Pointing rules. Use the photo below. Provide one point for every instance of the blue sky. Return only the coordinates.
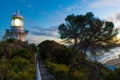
(42, 17)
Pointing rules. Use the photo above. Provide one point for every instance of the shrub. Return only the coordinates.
(24, 54)
(60, 71)
(19, 64)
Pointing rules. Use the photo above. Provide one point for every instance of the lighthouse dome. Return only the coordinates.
(17, 15)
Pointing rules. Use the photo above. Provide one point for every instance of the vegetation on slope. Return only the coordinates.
(57, 61)
(17, 60)
(115, 75)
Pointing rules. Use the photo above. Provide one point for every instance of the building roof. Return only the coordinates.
(17, 15)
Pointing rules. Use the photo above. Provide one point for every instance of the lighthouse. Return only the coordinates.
(17, 28)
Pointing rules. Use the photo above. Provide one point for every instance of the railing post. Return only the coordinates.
(38, 72)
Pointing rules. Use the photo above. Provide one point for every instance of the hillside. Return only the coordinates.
(17, 60)
(57, 59)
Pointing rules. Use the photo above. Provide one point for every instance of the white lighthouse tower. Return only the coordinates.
(17, 28)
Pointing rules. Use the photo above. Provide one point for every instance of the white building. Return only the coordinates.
(17, 28)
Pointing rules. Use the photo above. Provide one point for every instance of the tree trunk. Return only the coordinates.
(75, 41)
(73, 57)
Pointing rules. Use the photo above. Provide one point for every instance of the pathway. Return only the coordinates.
(43, 72)
(38, 72)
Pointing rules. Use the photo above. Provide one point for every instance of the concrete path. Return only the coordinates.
(43, 72)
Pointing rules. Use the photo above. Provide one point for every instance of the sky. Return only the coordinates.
(42, 17)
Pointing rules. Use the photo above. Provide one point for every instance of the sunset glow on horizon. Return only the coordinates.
(42, 17)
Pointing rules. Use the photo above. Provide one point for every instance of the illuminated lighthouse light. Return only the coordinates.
(17, 22)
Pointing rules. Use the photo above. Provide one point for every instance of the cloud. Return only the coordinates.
(40, 31)
(29, 6)
(38, 34)
(115, 18)
(43, 12)
(110, 18)
(38, 39)
(71, 8)
(104, 3)
(118, 16)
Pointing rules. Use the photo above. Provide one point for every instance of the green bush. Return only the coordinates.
(4, 69)
(115, 75)
(24, 54)
(55, 52)
(17, 60)
(60, 71)
(22, 69)
(11, 40)
(22, 75)
(80, 75)
(19, 64)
